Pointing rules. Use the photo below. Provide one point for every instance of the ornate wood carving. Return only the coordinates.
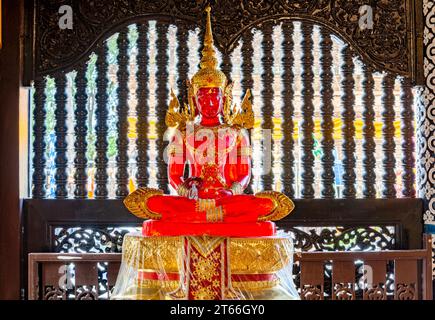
(376, 292)
(122, 109)
(287, 110)
(388, 45)
(408, 146)
(101, 128)
(343, 291)
(406, 291)
(388, 130)
(162, 95)
(247, 70)
(267, 95)
(86, 293)
(305, 238)
(80, 131)
(54, 293)
(327, 110)
(369, 145)
(364, 238)
(348, 115)
(312, 292)
(307, 112)
(61, 130)
(183, 61)
(142, 107)
(101, 240)
(38, 177)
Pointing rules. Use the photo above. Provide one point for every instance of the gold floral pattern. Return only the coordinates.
(247, 255)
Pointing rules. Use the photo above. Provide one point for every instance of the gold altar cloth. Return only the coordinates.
(162, 268)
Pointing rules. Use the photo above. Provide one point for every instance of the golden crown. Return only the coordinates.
(208, 75)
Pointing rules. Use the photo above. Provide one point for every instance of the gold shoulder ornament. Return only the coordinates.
(243, 116)
(177, 117)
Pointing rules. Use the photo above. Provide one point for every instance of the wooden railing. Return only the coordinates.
(412, 275)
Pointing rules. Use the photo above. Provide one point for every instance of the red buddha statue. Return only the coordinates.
(209, 138)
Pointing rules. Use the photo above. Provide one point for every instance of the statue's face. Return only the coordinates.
(209, 101)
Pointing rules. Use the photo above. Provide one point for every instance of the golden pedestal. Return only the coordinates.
(160, 268)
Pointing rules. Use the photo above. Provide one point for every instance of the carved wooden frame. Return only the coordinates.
(394, 44)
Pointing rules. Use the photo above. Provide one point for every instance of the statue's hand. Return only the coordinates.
(193, 181)
(189, 187)
(212, 193)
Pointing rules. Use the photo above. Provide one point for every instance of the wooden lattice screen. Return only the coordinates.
(340, 127)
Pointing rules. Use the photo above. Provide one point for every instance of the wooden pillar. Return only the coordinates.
(122, 109)
(10, 73)
(369, 145)
(142, 108)
(162, 77)
(247, 80)
(101, 127)
(388, 145)
(287, 110)
(80, 131)
(267, 93)
(327, 111)
(307, 125)
(348, 115)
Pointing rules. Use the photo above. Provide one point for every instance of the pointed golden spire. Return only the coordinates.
(208, 59)
(208, 76)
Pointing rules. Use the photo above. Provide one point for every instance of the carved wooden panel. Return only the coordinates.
(389, 45)
(305, 238)
(50, 282)
(375, 286)
(406, 280)
(312, 280)
(343, 278)
(92, 275)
